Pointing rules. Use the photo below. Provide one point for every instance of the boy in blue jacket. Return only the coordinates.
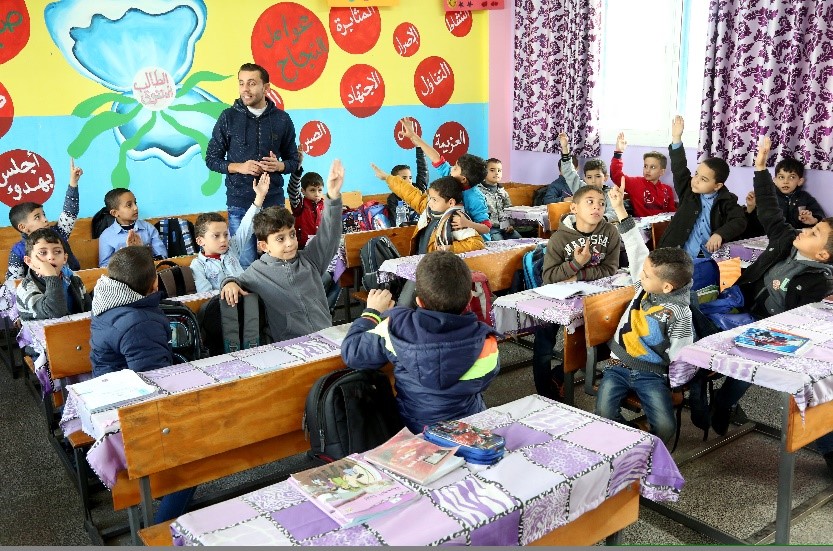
(443, 357)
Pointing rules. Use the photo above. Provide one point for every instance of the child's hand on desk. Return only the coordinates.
(231, 293)
(582, 255)
(381, 174)
(714, 243)
(750, 201)
(335, 179)
(75, 173)
(133, 239)
(380, 300)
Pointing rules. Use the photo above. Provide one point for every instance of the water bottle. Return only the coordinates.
(401, 214)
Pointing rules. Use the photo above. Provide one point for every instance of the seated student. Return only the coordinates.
(421, 183)
(708, 214)
(595, 174)
(219, 255)
(648, 195)
(653, 329)
(50, 289)
(443, 358)
(306, 200)
(469, 170)
(288, 280)
(129, 331)
(585, 247)
(801, 210)
(793, 271)
(28, 217)
(498, 201)
(127, 229)
(559, 189)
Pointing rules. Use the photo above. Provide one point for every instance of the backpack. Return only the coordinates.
(178, 236)
(101, 221)
(350, 411)
(351, 220)
(533, 266)
(373, 254)
(186, 341)
(374, 216)
(175, 280)
(481, 298)
(228, 329)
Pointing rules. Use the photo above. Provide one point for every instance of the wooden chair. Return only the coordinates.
(729, 272)
(657, 229)
(352, 199)
(555, 211)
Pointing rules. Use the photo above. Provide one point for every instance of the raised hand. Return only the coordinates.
(616, 196)
(75, 173)
(261, 188)
(300, 156)
(763, 153)
(677, 127)
(565, 143)
(335, 179)
(621, 142)
(381, 174)
(750, 201)
(408, 126)
(380, 300)
(582, 255)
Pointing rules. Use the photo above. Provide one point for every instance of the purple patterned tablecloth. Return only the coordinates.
(741, 249)
(526, 309)
(534, 214)
(561, 463)
(8, 301)
(809, 377)
(106, 456)
(405, 266)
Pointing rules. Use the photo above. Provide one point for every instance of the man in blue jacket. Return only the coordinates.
(443, 358)
(251, 137)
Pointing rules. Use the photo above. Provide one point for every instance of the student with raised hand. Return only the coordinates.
(127, 230)
(28, 217)
(595, 174)
(652, 331)
(288, 280)
(708, 214)
(219, 255)
(648, 195)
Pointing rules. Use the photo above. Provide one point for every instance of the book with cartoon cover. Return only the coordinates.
(773, 340)
(415, 458)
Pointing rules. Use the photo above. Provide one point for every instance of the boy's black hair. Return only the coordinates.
(19, 213)
(673, 265)
(448, 188)
(272, 220)
(112, 199)
(596, 164)
(397, 168)
(584, 190)
(473, 168)
(492, 160)
(264, 75)
(134, 267)
(720, 168)
(204, 219)
(663, 160)
(43, 234)
(310, 179)
(789, 164)
(443, 282)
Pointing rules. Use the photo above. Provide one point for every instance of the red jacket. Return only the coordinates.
(647, 198)
(307, 218)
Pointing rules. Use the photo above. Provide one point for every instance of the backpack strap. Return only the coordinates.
(230, 320)
(251, 320)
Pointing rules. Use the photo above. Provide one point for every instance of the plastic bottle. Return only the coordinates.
(401, 214)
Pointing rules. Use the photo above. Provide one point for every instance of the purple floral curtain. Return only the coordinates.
(769, 70)
(557, 59)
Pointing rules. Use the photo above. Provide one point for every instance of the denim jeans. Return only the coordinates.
(173, 505)
(651, 388)
(249, 252)
(498, 235)
(542, 369)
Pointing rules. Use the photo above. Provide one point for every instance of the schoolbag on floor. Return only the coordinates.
(175, 280)
(186, 342)
(374, 216)
(481, 298)
(228, 329)
(533, 266)
(373, 254)
(350, 411)
(178, 236)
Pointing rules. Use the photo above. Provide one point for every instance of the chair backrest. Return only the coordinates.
(729, 272)
(68, 348)
(657, 229)
(521, 194)
(353, 242)
(555, 211)
(499, 267)
(352, 199)
(602, 313)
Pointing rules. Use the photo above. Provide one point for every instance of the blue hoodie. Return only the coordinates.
(441, 362)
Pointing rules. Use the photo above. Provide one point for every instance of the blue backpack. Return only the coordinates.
(374, 216)
(533, 266)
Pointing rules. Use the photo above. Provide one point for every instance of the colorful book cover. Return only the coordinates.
(464, 434)
(415, 458)
(772, 340)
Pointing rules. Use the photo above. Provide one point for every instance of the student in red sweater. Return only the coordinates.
(648, 195)
(306, 197)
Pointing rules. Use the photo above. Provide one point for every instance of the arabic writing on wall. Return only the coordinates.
(291, 43)
(434, 81)
(458, 23)
(315, 138)
(451, 140)
(25, 176)
(406, 39)
(154, 88)
(6, 110)
(399, 133)
(362, 90)
(355, 30)
(14, 28)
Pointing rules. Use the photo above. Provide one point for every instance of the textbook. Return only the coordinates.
(350, 491)
(415, 458)
(773, 340)
(108, 392)
(568, 289)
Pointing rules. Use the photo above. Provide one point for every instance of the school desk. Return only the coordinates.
(805, 383)
(561, 463)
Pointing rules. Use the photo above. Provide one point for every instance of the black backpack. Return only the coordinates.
(175, 280)
(101, 221)
(178, 236)
(372, 254)
(350, 411)
(228, 329)
(186, 342)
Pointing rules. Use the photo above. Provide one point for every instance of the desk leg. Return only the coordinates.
(614, 539)
(590, 371)
(786, 468)
(133, 519)
(147, 500)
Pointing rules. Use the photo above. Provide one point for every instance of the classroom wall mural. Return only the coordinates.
(131, 90)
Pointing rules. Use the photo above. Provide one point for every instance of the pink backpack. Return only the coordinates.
(482, 298)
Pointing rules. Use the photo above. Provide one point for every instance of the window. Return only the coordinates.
(653, 58)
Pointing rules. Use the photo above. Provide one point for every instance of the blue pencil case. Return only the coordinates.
(477, 446)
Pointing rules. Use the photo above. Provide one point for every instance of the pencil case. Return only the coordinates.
(478, 446)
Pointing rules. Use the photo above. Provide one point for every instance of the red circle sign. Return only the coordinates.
(291, 43)
(362, 90)
(434, 81)
(276, 98)
(14, 28)
(25, 176)
(458, 23)
(6, 110)
(406, 39)
(451, 140)
(315, 138)
(399, 133)
(355, 30)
